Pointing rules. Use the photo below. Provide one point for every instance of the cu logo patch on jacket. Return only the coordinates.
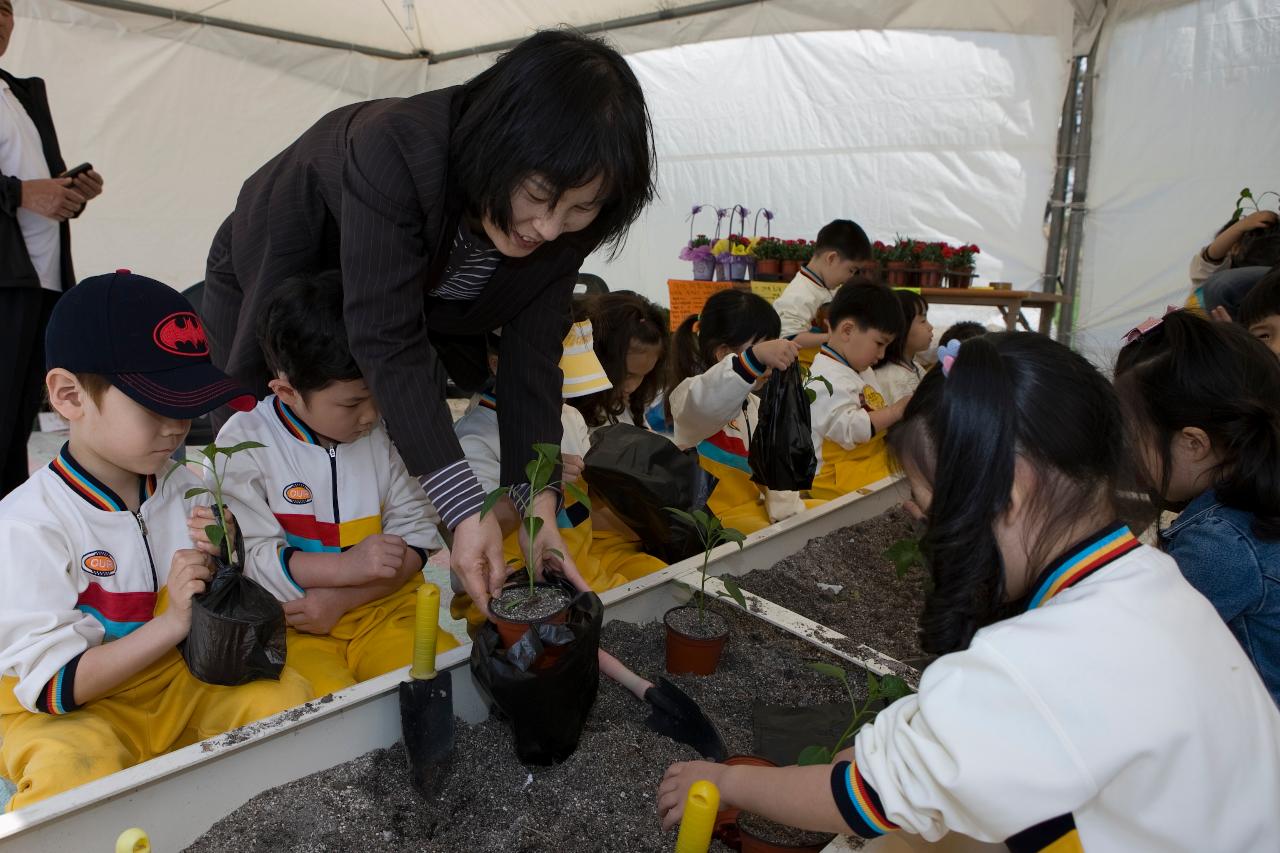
(297, 494)
(99, 563)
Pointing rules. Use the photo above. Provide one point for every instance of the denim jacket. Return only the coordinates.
(1239, 574)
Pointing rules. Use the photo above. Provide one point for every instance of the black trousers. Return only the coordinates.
(24, 315)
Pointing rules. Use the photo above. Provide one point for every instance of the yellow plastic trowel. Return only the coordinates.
(426, 700)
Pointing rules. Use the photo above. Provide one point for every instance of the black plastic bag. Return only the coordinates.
(237, 628)
(782, 455)
(547, 707)
(638, 474)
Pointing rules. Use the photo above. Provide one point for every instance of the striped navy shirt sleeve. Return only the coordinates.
(454, 491)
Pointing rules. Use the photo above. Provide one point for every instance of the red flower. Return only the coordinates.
(975, 250)
(947, 251)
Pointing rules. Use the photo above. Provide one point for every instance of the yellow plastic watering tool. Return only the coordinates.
(133, 841)
(426, 700)
(699, 820)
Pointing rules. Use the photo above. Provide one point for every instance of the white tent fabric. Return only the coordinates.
(936, 133)
(1188, 113)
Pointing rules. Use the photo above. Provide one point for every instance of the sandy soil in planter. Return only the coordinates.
(843, 581)
(602, 798)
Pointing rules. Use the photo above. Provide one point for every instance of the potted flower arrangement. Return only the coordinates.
(768, 252)
(696, 636)
(790, 259)
(899, 258)
(931, 264)
(733, 254)
(520, 606)
(698, 250)
(959, 261)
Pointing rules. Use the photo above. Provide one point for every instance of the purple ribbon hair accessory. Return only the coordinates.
(947, 356)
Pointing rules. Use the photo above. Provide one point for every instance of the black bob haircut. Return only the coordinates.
(844, 237)
(1263, 299)
(871, 306)
(302, 334)
(567, 108)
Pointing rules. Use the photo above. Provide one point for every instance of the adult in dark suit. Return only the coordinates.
(35, 250)
(450, 214)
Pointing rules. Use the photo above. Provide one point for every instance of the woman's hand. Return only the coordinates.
(476, 558)
(550, 553)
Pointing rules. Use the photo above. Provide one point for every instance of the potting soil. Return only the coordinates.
(602, 798)
(687, 621)
(842, 580)
(776, 833)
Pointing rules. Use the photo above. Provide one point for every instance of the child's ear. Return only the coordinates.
(287, 393)
(1194, 444)
(66, 396)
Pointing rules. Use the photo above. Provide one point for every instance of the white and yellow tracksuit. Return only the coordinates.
(716, 413)
(850, 454)
(799, 304)
(605, 559)
(77, 570)
(295, 495)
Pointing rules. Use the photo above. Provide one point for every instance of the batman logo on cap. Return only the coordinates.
(181, 333)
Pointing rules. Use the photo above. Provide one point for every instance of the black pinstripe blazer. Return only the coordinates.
(369, 186)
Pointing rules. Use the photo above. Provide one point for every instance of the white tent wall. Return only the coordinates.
(1187, 112)
(175, 125)
(942, 135)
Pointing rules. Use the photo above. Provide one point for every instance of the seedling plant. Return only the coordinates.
(219, 532)
(889, 688)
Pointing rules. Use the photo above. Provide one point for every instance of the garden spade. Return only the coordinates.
(426, 700)
(672, 712)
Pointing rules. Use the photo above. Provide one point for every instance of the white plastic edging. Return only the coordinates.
(178, 796)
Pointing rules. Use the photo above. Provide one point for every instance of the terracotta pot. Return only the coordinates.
(930, 274)
(790, 269)
(511, 630)
(692, 655)
(896, 273)
(704, 270)
(768, 266)
(727, 818)
(750, 844)
(960, 278)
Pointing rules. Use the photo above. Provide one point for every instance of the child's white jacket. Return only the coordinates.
(1118, 708)
(78, 569)
(844, 414)
(295, 495)
(799, 303)
(716, 412)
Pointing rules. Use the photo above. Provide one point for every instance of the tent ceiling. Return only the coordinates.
(449, 29)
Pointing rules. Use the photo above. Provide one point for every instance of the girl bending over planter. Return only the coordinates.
(631, 341)
(1203, 403)
(1086, 697)
(718, 358)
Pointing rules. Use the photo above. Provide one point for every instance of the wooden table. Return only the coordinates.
(1010, 303)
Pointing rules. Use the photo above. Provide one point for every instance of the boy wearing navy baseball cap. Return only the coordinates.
(97, 565)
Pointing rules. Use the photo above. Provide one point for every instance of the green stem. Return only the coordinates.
(853, 724)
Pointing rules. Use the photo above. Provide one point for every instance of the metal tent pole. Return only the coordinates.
(1050, 281)
(1079, 188)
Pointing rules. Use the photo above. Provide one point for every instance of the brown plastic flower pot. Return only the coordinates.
(511, 630)
(727, 818)
(896, 272)
(749, 843)
(930, 274)
(690, 655)
(789, 269)
(768, 266)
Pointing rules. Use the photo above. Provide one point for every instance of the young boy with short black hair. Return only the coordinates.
(97, 568)
(1260, 310)
(333, 524)
(839, 252)
(849, 421)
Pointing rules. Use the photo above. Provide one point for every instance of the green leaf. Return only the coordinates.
(548, 453)
(873, 686)
(1246, 193)
(812, 755)
(533, 526)
(237, 448)
(827, 385)
(829, 670)
(904, 554)
(893, 688)
(682, 515)
(734, 591)
(733, 535)
(210, 451)
(578, 495)
(215, 534)
(491, 499)
(701, 519)
(556, 551)
(811, 395)
(193, 493)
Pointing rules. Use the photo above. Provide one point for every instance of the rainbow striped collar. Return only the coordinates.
(828, 351)
(293, 424)
(488, 401)
(813, 277)
(92, 490)
(1104, 547)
